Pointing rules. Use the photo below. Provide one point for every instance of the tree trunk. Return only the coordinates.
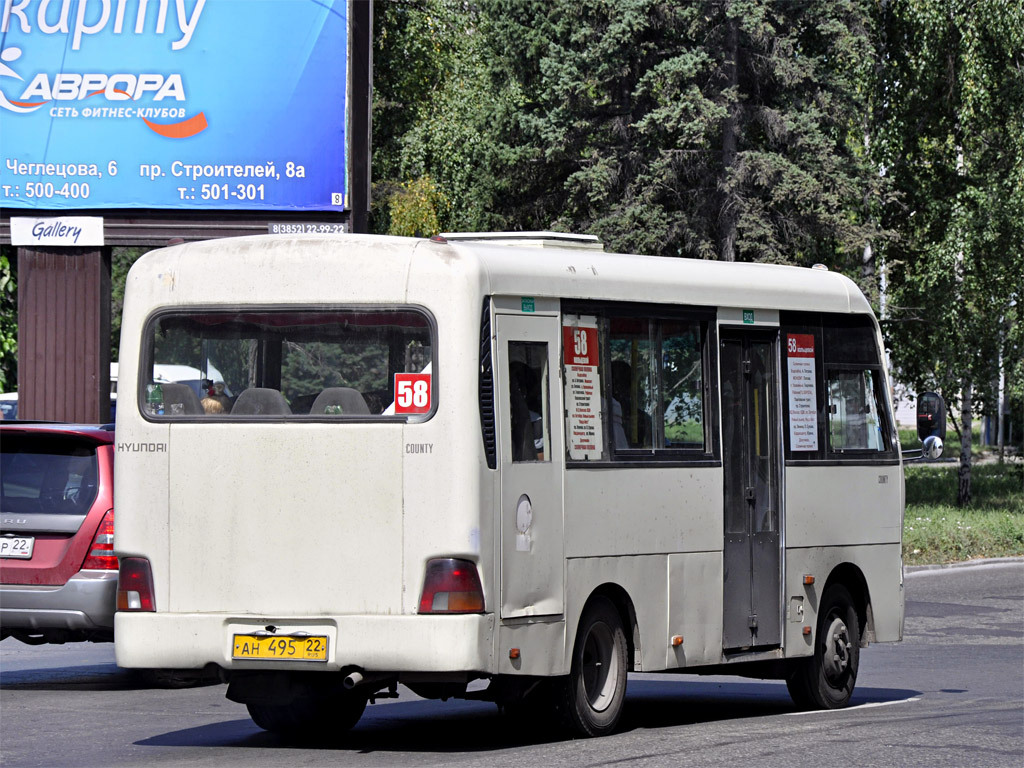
(867, 278)
(963, 493)
(1001, 405)
(730, 141)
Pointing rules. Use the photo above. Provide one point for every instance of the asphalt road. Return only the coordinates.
(951, 694)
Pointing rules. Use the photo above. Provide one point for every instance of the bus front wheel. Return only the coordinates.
(592, 697)
(826, 679)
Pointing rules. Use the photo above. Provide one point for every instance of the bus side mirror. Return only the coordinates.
(931, 416)
(932, 447)
(931, 424)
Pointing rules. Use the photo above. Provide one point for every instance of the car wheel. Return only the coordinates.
(826, 679)
(592, 697)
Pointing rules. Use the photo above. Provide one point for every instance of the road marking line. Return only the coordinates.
(870, 705)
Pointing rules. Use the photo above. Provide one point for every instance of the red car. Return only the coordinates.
(58, 572)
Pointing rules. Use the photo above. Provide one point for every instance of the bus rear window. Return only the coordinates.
(288, 365)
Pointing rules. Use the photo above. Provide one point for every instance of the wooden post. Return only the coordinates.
(64, 334)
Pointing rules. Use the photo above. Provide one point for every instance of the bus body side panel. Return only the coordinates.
(821, 513)
(644, 580)
(645, 510)
(539, 641)
(843, 514)
(695, 609)
(881, 566)
(644, 513)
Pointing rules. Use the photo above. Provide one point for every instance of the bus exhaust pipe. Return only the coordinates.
(357, 678)
(352, 680)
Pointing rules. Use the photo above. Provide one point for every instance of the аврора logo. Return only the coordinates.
(68, 86)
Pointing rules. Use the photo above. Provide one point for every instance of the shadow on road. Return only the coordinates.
(92, 677)
(461, 726)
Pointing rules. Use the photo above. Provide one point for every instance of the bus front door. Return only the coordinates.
(750, 457)
(531, 459)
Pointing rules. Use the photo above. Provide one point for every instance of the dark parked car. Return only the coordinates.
(58, 572)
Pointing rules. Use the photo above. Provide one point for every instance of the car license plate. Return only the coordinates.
(17, 546)
(280, 648)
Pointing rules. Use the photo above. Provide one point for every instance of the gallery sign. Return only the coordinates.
(66, 231)
(180, 104)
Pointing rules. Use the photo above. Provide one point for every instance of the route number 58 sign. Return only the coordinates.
(412, 393)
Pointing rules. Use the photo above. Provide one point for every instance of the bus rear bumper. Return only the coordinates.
(454, 643)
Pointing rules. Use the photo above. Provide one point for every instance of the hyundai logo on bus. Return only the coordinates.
(142, 447)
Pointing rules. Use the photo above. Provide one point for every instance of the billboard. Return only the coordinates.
(175, 104)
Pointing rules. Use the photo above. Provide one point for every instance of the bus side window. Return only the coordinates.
(856, 411)
(657, 384)
(528, 406)
(632, 344)
(854, 421)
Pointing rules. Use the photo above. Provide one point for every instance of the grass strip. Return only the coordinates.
(935, 530)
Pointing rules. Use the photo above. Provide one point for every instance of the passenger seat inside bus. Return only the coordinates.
(181, 399)
(260, 401)
(347, 399)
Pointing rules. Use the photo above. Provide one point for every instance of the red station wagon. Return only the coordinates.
(58, 572)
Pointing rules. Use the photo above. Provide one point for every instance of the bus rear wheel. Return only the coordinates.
(826, 679)
(592, 697)
(310, 717)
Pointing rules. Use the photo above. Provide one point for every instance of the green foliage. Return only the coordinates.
(432, 112)
(616, 118)
(8, 323)
(121, 261)
(414, 208)
(950, 134)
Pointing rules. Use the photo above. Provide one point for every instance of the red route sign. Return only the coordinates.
(579, 345)
(800, 345)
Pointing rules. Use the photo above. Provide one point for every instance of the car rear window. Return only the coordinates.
(47, 474)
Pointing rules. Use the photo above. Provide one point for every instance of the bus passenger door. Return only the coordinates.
(531, 463)
(750, 457)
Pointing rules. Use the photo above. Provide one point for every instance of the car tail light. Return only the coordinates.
(135, 585)
(451, 586)
(101, 551)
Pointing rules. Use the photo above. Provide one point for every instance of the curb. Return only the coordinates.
(976, 563)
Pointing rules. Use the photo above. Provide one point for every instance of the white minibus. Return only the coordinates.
(502, 466)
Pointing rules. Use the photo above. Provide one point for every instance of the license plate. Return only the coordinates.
(17, 546)
(280, 648)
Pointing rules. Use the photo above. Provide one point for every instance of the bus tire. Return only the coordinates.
(310, 716)
(592, 697)
(826, 679)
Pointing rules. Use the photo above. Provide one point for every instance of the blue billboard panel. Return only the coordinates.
(181, 104)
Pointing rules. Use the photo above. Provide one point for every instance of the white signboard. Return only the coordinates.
(803, 392)
(66, 231)
(582, 388)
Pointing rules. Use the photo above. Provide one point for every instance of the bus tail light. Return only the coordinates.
(135, 585)
(101, 551)
(451, 586)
